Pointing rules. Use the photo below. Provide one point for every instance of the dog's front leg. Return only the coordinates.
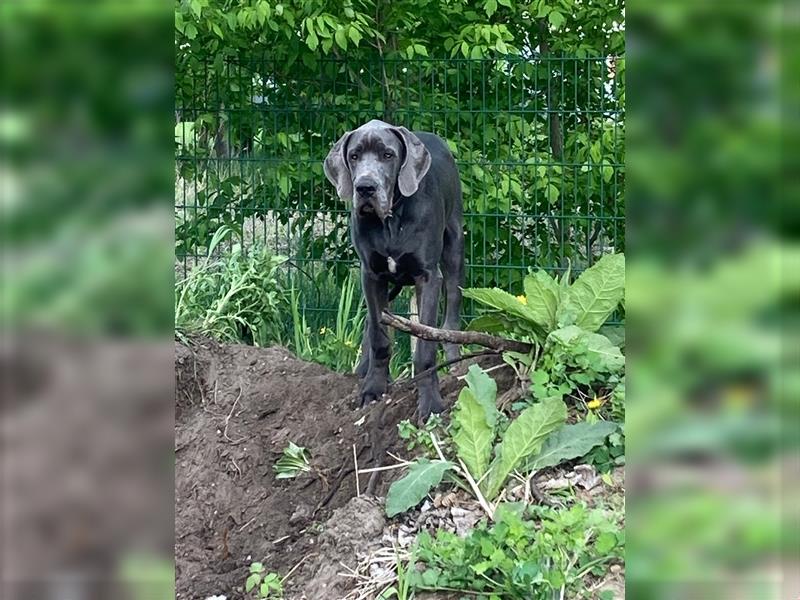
(429, 398)
(377, 378)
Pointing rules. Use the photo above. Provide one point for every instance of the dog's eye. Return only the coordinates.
(354, 157)
(387, 155)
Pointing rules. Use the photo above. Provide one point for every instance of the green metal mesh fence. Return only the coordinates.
(539, 144)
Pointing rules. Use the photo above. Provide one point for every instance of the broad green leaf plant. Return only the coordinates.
(487, 455)
(549, 306)
(562, 320)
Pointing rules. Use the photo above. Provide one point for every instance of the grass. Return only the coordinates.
(255, 297)
(236, 298)
(337, 345)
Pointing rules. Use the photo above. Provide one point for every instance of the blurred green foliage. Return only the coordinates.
(708, 344)
(86, 189)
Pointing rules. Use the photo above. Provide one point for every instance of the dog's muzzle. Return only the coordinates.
(371, 199)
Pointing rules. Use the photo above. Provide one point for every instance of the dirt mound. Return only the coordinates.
(237, 408)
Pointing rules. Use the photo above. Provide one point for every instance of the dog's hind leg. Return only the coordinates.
(453, 273)
(429, 397)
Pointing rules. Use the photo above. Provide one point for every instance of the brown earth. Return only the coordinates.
(237, 408)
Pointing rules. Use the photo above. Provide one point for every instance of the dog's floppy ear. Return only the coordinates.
(336, 170)
(416, 164)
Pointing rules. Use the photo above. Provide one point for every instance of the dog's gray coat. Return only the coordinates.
(407, 229)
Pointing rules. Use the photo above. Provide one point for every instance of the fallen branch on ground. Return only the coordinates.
(434, 334)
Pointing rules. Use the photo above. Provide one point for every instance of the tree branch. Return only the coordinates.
(433, 334)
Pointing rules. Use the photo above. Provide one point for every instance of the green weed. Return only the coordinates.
(532, 553)
(268, 585)
(238, 298)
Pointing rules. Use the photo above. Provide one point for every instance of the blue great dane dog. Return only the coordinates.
(407, 229)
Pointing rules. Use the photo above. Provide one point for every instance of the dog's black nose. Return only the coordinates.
(366, 189)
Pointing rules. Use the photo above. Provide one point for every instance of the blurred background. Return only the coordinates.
(712, 293)
(87, 138)
(86, 170)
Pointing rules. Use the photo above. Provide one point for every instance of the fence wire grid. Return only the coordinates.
(539, 143)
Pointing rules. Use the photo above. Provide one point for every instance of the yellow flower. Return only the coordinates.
(322, 331)
(522, 299)
(594, 404)
(739, 396)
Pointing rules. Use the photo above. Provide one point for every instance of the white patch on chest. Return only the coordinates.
(392, 265)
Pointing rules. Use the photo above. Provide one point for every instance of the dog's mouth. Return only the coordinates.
(367, 210)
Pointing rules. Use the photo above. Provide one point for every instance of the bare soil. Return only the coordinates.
(237, 408)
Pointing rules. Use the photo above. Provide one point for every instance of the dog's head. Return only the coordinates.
(367, 163)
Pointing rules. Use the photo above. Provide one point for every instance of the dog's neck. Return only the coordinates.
(392, 222)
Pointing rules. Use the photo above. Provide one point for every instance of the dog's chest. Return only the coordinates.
(404, 268)
(390, 254)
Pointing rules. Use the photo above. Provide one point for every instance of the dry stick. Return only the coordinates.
(243, 527)
(433, 334)
(386, 468)
(355, 462)
(343, 472)
(230, 414)
(475, 489)
(294, 568)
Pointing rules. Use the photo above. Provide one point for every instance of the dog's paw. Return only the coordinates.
(428, 403)
(372, 391)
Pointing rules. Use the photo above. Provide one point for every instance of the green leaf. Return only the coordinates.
(341, 38)
(252, 582)
(606, 356)
(490, 323)
(505, 3)
(605, 542)
(523, 438)
(484, 389)
(256, 567)
(355, 35)
(190, 31)
(540, 377)
(543, 10)
(490, 7)
(473, 436)
(420, 49)
(541, 292)
(596, 293)
(556, 19)
(312, 41)
(552, 193)
(501, 300)
(409, 491)
(571, 441)
(615, 334)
